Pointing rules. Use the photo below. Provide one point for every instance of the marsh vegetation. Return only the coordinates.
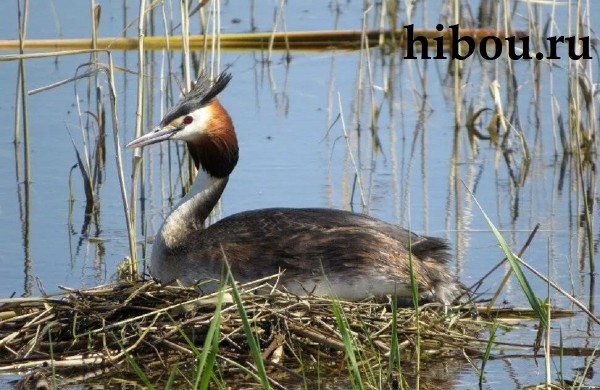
(496, 155)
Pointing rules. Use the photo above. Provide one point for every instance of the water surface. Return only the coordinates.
(294, 153)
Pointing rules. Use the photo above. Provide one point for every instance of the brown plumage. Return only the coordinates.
(324, 252)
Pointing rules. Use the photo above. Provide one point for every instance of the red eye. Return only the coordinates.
(188, 119)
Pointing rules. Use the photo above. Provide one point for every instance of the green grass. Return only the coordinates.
(535, 303)
(206, 357)
(349, 346)
(251, 338)
(487, 353)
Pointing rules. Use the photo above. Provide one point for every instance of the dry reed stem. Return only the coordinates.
(294, 40)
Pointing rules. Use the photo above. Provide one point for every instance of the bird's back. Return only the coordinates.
(320, 251)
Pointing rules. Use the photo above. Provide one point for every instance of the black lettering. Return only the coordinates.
(439, 44)
(512, 54)
(553, 41)
(585, 48)
(484, 44)
(410, 42)
(456, 39)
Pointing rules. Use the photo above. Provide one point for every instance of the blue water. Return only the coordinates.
(293, 153)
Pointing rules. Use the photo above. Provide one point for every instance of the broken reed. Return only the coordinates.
(293, 40)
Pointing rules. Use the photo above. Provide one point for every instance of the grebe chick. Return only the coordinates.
(323, 252)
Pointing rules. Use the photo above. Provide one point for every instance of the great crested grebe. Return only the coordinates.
(323, 252)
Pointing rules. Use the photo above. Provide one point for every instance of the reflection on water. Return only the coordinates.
(23, 196)
(405, 141)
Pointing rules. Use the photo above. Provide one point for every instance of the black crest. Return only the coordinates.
(202, 93)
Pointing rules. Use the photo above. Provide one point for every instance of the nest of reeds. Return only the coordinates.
(157, 333)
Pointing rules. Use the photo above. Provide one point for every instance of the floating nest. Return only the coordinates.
(143, 331)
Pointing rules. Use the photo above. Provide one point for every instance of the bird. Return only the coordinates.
(319, 252)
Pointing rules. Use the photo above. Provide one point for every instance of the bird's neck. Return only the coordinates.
(215, 154)
(191, 211)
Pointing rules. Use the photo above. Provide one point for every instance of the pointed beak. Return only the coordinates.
(158, 134)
